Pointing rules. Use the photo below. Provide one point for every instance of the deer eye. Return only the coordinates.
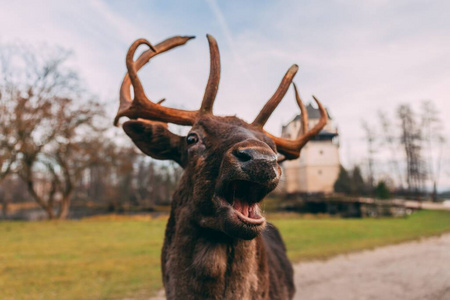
(192, 138)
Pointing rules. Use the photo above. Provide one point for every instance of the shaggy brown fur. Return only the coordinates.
(208, 252)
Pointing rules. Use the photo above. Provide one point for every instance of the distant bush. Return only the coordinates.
(382, 191)
(343, 182)
(350, 183)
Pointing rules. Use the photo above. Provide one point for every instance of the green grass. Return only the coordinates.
(113, 258)
(308, 239)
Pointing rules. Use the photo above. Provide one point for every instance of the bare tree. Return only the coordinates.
(47, 124)
(390, 142)
(411, 140)
(71, 152)
(9, 144)
(125, 176)
(433, 143)
(370, 140)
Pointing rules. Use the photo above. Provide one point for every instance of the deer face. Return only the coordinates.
(239, 166)
(230, 165)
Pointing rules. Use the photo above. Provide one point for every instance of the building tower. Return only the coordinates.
(318, 166)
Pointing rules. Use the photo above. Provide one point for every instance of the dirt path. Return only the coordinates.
(411, 271)
(415, 270)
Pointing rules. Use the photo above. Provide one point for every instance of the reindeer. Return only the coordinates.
(217, 244)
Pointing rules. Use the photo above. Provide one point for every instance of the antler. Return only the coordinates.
(273, 102)
(303, 111)
(291, 148)
(142, 107)
(214, 76)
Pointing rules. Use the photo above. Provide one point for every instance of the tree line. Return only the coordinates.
(56, 145)
(405, 154)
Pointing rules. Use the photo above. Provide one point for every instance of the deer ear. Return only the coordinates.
(155, 140)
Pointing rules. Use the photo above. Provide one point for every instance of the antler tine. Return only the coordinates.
(273, 102)
(214, 76)
(125, 95)
(141, 106)
(291, 148)
(139, 93)
(303, 111)
(164, 124)
(319, 126)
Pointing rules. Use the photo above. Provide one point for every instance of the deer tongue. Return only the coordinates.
(241, 206)
(244, 197)
(248, 210)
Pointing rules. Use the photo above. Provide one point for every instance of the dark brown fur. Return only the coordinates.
(207, 254)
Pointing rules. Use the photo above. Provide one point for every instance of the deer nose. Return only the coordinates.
(249, 154)
(258, 163)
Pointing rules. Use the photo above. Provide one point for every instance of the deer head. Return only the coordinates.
(230, 165)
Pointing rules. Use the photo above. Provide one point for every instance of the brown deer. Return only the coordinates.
(217, 243)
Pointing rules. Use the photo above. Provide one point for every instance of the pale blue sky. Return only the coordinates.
(356, 56)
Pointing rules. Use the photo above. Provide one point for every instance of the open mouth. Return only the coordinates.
(244, 197)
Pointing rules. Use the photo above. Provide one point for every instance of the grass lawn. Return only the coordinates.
(116, 257)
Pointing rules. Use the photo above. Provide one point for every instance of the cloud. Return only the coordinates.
(356, 56)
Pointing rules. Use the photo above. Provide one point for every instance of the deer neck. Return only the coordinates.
(200, 260)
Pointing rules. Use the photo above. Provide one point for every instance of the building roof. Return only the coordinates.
(313, 113)
(326, 132)
(324, 135)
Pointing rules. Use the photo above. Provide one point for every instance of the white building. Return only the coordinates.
(318, 166)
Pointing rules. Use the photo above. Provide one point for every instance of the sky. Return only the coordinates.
(357, 57)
